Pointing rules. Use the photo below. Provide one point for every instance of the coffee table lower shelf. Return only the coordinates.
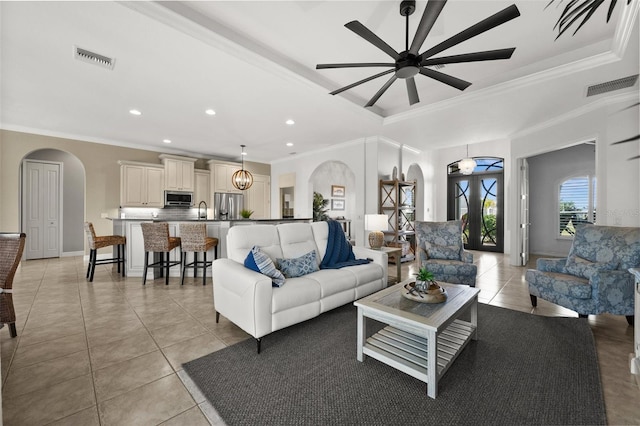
(408, 353)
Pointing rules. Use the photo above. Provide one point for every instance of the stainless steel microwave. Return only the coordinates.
(178, 199)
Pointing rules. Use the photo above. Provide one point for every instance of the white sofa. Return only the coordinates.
(248, 299)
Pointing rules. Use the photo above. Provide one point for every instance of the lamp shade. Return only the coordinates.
(376, 222)
(467, 166)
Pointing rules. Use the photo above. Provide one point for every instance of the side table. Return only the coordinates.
(396, 253)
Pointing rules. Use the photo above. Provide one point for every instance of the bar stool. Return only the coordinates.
(157, 240)
(194, 239)
(96, 243)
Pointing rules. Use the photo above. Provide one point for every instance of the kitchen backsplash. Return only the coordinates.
(160, 213)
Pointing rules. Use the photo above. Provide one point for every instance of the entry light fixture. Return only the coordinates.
(467, 165)
(242, 179)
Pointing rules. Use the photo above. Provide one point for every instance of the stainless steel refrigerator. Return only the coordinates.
(227, 206)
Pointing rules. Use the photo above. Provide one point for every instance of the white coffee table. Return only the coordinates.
(421, 339)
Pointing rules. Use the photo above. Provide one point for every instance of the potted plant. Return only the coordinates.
(319, 207)
(423, 278)
(245, 213)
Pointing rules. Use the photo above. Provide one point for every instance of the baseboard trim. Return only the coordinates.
(72, 254)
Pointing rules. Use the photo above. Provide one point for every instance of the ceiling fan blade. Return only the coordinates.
(487, 55)
(445, 78)
(362, 64)
(431, 13)
(381, 91)
(499, 18)
(412, 91)
(368, 35)
(342, 89)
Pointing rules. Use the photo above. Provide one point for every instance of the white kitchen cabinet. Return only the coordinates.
(201, 188)
(258, 197)
(221, 173)
(178, 172)
(141, 185)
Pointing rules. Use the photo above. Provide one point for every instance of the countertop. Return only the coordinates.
(158, 219)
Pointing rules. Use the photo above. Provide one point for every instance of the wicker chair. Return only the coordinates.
(11, 247)
(157, 240)
(194, 239)
(96, 243)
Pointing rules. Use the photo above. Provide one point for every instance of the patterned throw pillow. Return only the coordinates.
(303, 265)
(259, 261)
(442, 252)
(584, 268)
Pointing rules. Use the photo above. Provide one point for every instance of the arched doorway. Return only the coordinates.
(336, 182)
(52, 193)
(478, 200)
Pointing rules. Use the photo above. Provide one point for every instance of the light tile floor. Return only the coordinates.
(110, 352)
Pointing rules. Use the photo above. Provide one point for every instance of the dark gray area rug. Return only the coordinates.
(523, 369)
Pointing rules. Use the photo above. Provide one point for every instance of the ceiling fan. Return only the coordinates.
(410, 62)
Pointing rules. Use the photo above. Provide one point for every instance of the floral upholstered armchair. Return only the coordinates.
(440, 249)
(594, 278)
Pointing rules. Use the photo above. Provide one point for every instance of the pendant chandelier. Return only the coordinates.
(242, 179)
(467, 165)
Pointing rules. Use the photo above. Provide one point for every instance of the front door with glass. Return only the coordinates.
(477, 200)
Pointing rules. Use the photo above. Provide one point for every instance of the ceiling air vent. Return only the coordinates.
(93, 58)
(609, 86)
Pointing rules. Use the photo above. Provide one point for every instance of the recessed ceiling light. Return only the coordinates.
(134, 112)
(166, 140)
(289, 143)
(290, 122)
(243, 153)
(210, 112)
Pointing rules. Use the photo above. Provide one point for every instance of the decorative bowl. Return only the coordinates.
(433, 294)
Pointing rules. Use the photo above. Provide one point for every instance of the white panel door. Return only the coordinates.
(524, 212)
(41, 209)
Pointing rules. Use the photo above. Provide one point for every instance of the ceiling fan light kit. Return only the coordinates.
(409, 63)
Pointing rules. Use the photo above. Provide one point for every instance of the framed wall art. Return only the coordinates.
(337, 204)
(337, 191)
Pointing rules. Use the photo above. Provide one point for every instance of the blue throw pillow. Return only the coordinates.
(259, 261)
(303, 265)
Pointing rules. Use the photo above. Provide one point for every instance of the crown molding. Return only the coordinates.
(91, 139)
(625, 28)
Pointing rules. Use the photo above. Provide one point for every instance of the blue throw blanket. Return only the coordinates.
(339, 252)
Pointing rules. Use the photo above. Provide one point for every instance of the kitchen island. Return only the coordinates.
(134, 249)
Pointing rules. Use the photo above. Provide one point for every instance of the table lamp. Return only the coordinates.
(376, 223)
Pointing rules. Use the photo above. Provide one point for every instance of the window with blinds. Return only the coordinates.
(576, 204)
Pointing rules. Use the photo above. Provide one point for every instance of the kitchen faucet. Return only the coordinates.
(205, 210)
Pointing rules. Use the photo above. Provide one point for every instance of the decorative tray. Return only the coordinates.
(434, 294)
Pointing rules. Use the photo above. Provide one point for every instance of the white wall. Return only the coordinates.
(494, 148)
(353, 155)
(546, 172)
(618, 193)
(369, 159)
